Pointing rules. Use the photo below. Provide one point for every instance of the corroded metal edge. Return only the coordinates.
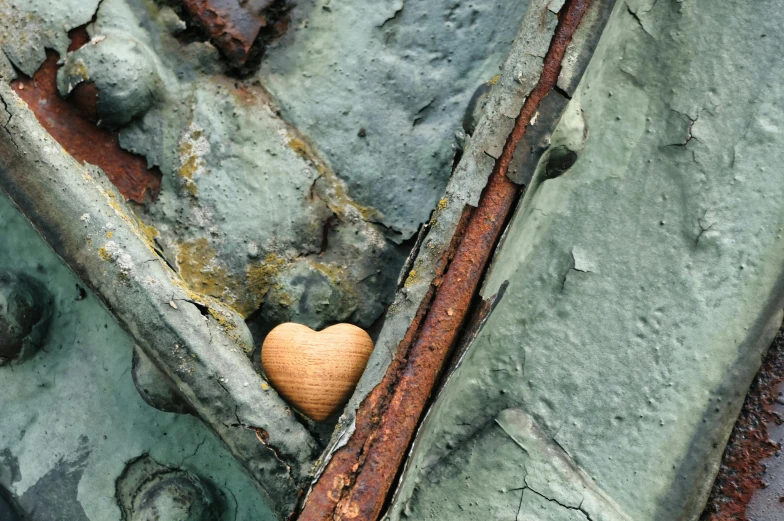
(356, 482)
(193, 339)
(72, 122)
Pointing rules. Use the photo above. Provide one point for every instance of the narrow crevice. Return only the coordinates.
(562, 92)
(159, 252)
(5, 125)
(204, 310)
(325, 233)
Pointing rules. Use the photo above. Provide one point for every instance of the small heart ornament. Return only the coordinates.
(315, 371)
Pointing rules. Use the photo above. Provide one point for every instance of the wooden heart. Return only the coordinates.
(315, 371)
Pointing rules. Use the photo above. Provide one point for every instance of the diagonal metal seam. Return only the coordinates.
(88, 227)
(356, 482)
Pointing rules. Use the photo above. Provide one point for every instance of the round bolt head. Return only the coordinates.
(25, 313)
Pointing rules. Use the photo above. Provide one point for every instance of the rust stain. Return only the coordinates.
(742, 471)
(236, 25)
(71, 123)
(357, 480)
(341, 472)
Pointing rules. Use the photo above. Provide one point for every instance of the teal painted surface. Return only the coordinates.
(71, 416)
(644, 282)
(404, 71)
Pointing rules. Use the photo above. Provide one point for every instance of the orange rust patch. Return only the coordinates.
(71, 123)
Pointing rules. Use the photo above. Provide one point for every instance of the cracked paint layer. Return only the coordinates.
(644, 281)
(29, 27)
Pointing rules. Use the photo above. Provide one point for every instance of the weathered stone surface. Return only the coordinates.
(644, 268)
(502, 103)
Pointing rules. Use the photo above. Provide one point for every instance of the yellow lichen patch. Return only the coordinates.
(368, 213)
(494, 79)
(299, 147)
(201, 271)
(442, 204)
(189, 165)
(229, 327)
(78, 68)
(104, 253)
(411, 279)
(338, 278)
(192, 149)
(260, 276)
(335, 194)
(109, 235)
(149, 233)
(222, 320)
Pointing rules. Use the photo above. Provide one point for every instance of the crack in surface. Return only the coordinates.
(571, 269)
(689, 135)
(5, 125)
(393, 17)
(578, 508)
(420, 115)
(261, 434)
(639, 20)
(703, 229)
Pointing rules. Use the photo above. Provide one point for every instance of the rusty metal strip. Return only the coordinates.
(742, 472)
(235, 25)
(342, 467)
(357, 480)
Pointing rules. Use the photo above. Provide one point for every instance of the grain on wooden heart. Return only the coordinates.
(315, 371)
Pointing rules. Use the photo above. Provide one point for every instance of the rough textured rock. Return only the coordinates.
(248, 212)
(644, 269)
(263, 215)
(29, 27)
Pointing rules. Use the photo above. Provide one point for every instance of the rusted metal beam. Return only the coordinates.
(356, 482)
